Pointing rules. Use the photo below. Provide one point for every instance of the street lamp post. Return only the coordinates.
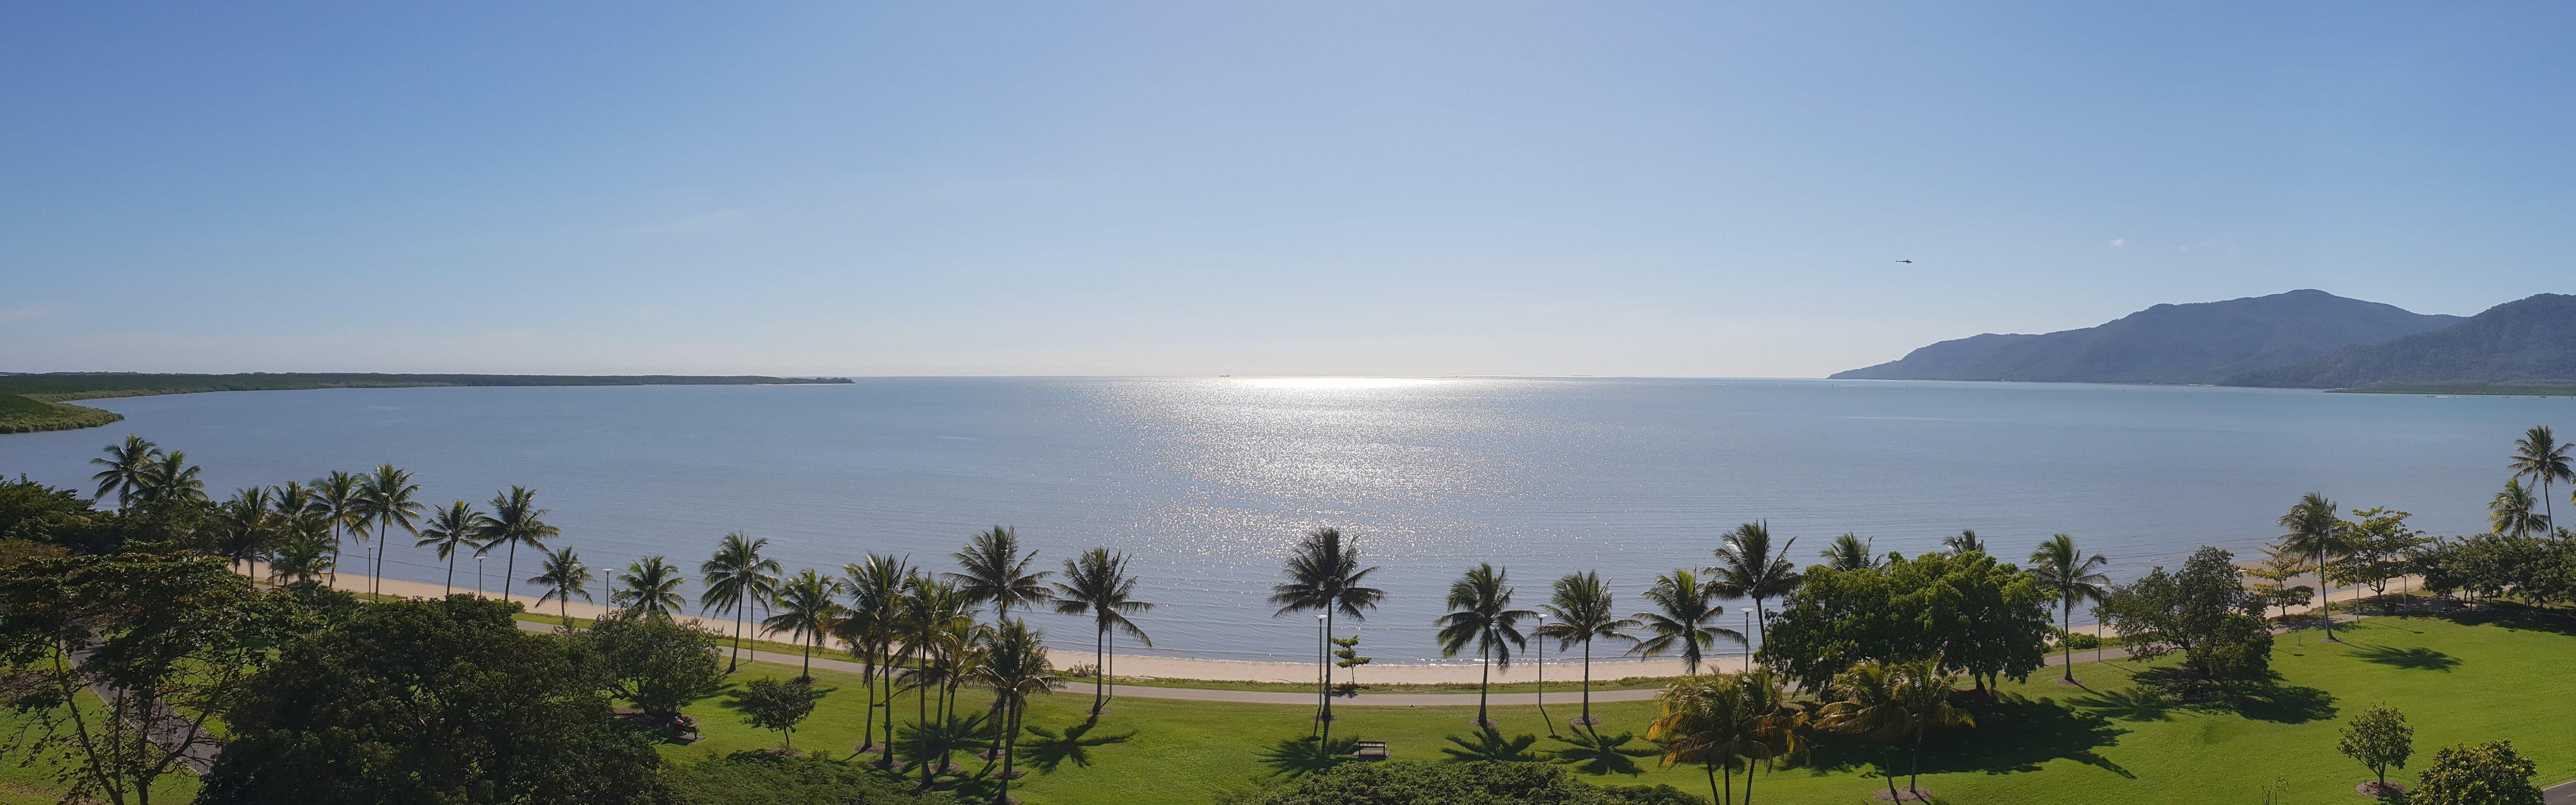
(1748, 638)
(478, 576)
(1542, 677)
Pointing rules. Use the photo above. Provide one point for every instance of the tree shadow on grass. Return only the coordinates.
(2125, 704)
(2014, 733)
(1593, 753)
(1292, 758)
(1049, 748)
(2261, 700)
(2418, 658)
(2507, 614)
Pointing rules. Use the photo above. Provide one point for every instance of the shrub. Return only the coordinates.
(763, 778)
(2489, 774)
(1402, 782)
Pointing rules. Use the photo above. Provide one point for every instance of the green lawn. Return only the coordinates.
(2458, 681)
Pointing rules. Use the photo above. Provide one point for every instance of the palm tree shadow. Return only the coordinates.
(2418, 658)
(2130, 704)
(1051, 748)
(1593, 753)
(2017, 734)
(1491, 745)
(1292, 758)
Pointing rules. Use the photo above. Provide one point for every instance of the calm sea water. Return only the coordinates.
(1207, 481)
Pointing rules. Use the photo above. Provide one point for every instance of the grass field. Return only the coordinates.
(2459, 680)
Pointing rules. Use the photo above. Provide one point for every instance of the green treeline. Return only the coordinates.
(33, 402)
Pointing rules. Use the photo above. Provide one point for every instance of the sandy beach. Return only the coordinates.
(1129, 666)
(1134, 666)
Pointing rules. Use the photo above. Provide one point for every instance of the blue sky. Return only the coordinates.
(1558, 188)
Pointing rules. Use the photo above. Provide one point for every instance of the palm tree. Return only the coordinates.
(1097, 584)
(1580, 611)
(2537, 455)
(1773, 728)
(1683, 619)
(453, 530)
(126, 464)
(1748, 568)
(996, 572)
(516, 521)
(2315, 531)
(171, 479)
(1849, 553)
(738, 578)
(387, 498)
(1480, 612)
(2510, 512)
(335, 498)
(244, 525)
(651, 586)
(1702, 719)
(563, 576)
(1015, 667)
(291, 504)
(303, 555)
(1889, 703)
(935, 613)
(1324, 576)
(2066, 574)
(806, 610)
(874, 588)
(1966, 541)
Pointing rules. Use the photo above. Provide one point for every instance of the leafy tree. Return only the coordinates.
(2067, 575)
(2199, 612)
(1583, 611)
(997, 572)
(2487, 774)
(1971, 612)
(1325, 576)
(777, 706)
(1685, 619)
(1481, 614)
(738, 579)
(121, 665)
(1747, 567)
(2378, 738)
(2378, 544)
(660, 665)
(1097, 584)
(441, 701)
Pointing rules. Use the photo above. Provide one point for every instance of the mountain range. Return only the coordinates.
(2302, 339)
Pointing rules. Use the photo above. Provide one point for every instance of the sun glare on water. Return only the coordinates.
(1334, 383)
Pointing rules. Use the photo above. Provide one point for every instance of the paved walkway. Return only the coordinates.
(2560, 794)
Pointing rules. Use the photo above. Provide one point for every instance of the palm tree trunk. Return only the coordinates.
(868, 679)
(1711, 769)
(1108, 659)
(1892, 796)
(889, 702)
(1013, 732)
(1099, 668)
(736, 661)
(2325, 598)
(1484, 657)
(921, 722)
(809, 659)
(1914, 770)
(1748, 781)
(1587, 685)
(2066, 624)
(449, 588)
(509, 569)
(1321, 665)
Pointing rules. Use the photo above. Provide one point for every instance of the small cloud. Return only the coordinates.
(2119, 243)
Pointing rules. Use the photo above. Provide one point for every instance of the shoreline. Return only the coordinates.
(1134, 668)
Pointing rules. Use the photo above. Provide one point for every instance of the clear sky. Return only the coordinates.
(1175, 188)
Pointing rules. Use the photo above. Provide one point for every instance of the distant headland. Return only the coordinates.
(35, 401)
